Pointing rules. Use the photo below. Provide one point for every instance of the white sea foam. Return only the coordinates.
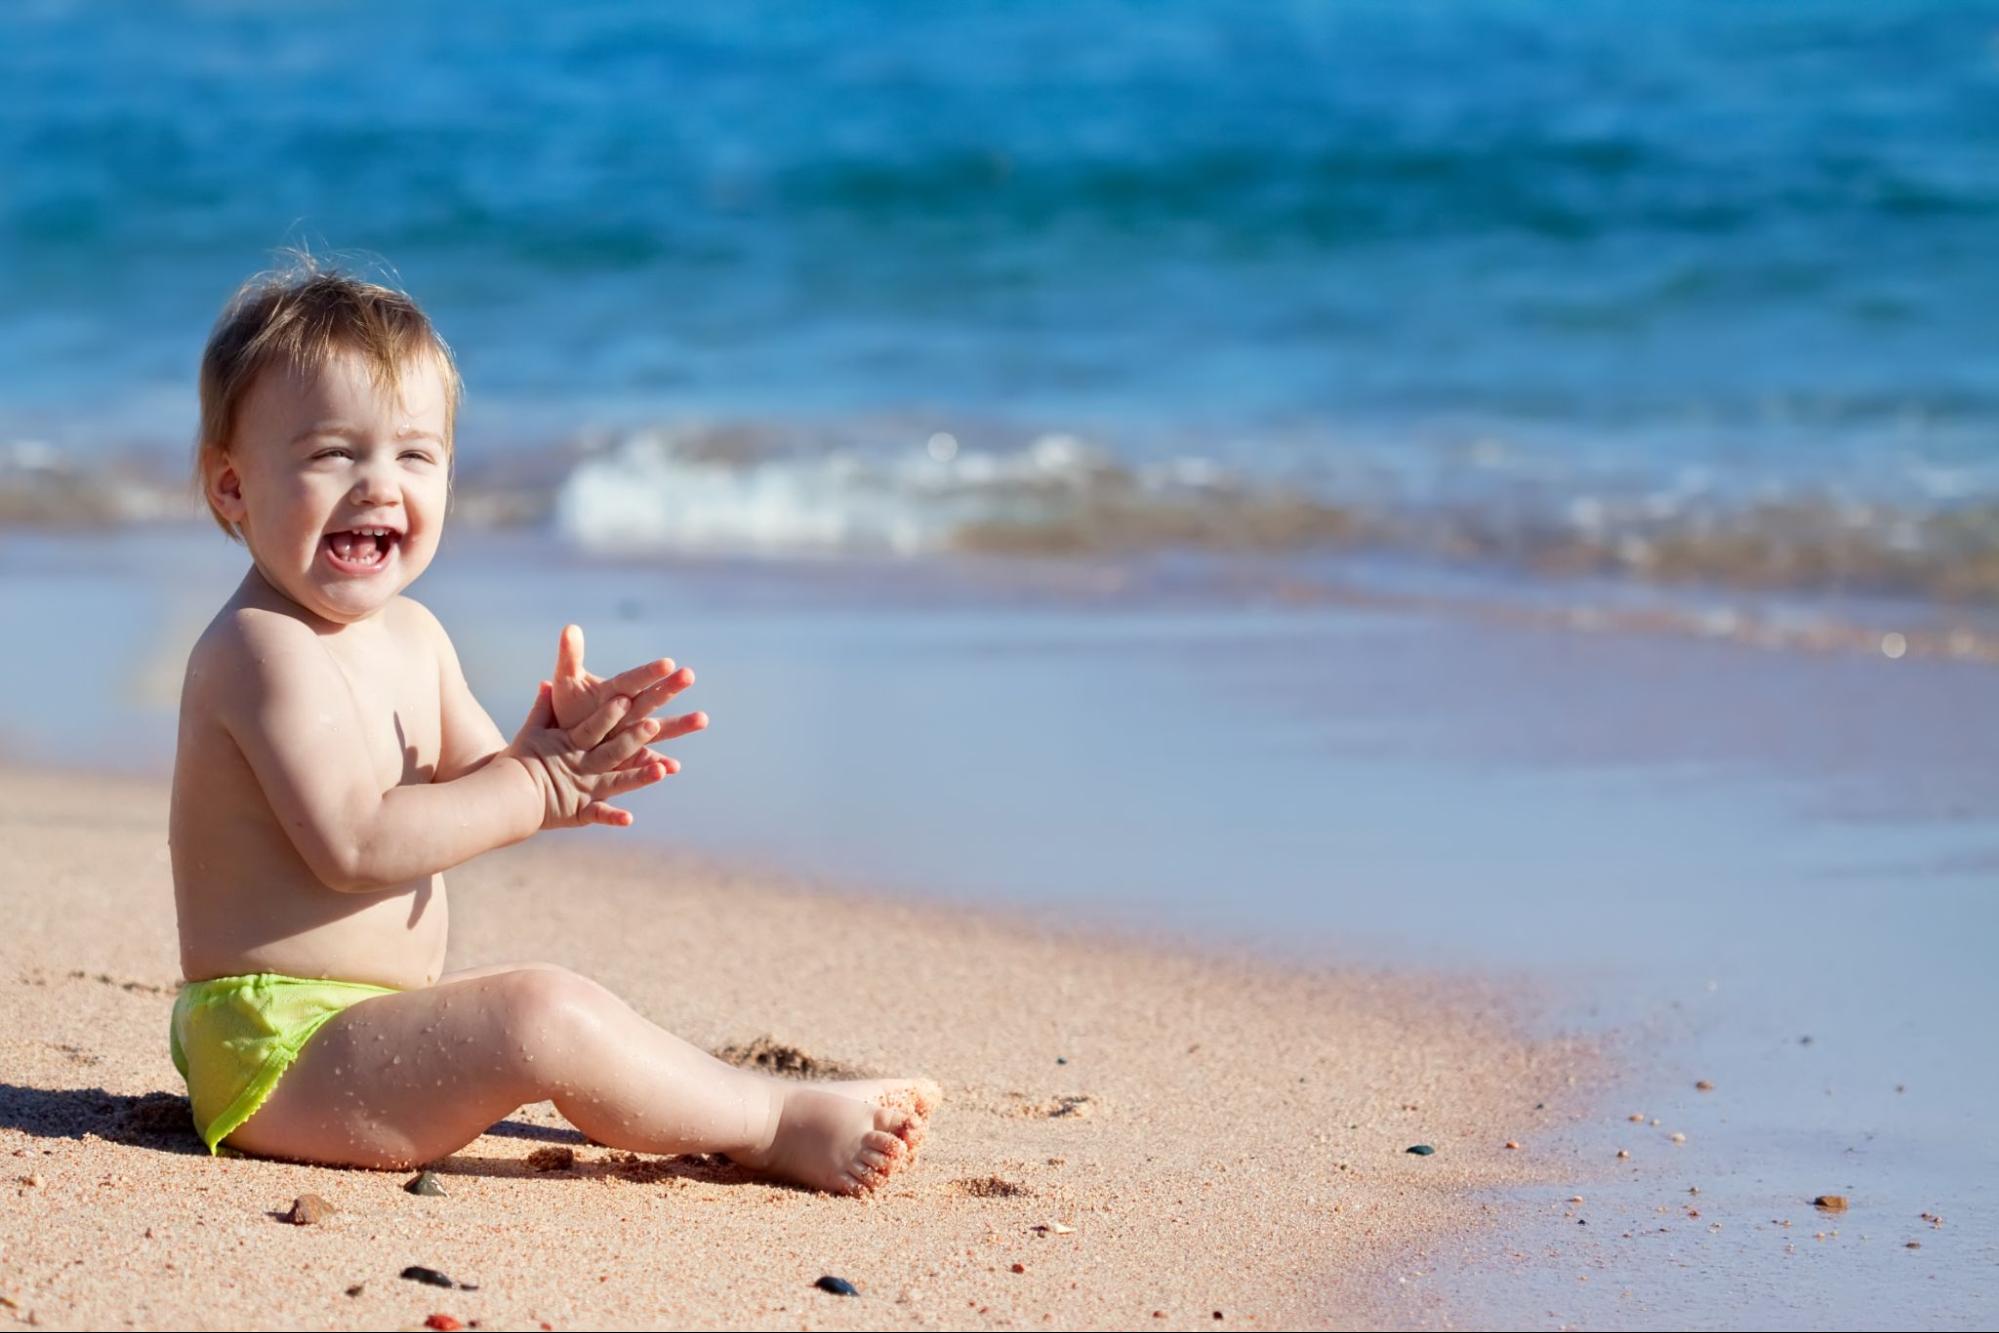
(657, 491)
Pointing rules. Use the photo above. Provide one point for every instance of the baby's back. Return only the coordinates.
(247, 899)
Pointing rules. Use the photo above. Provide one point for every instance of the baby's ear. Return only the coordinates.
(225, 490)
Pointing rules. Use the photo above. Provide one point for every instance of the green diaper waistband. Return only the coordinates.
(232, 1038)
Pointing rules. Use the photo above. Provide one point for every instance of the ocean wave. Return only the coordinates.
(1057, 495)
(1061, 496)
(746, 490)
(42, 486)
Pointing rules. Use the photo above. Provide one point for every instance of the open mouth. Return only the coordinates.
(361, 550)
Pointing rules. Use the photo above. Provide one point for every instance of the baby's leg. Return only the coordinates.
(918, 1094)
(407, 1078)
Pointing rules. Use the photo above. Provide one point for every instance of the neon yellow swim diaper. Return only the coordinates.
(233, 1038)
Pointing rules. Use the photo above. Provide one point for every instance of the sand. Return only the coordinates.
(1223, 1139)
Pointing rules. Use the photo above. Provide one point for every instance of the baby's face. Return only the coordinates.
(338, 486)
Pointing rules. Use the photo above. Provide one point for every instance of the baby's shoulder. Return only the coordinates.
(245, 643)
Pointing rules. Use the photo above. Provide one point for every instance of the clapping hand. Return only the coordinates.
(578, 695)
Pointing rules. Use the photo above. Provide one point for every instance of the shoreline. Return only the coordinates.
(1221, 1133)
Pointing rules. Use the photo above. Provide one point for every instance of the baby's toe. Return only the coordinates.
(884, 1143)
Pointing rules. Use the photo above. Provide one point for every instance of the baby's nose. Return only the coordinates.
(377, 486)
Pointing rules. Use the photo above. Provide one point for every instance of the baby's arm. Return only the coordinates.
(290, 711)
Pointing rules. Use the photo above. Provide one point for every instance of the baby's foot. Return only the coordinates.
(919, 1095)
(834, 1142)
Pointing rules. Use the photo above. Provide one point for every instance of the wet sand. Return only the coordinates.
(1222, 1136)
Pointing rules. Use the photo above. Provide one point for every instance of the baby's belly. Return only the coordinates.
(394, 938)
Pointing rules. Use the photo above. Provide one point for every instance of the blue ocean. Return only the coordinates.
(1506, 487)
(1689, 294)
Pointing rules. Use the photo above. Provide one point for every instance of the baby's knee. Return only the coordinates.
(552, 1005)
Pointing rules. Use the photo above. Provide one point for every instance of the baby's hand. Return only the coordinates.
(579, 769)
(578, 694)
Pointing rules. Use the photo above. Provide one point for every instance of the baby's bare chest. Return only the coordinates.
(396, 706)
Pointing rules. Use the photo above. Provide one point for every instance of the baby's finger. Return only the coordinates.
(599, 812)
(640, 677)
(652, 696)
(569, 652)
(684, 725)
(613, 753)
(591, 731)
(652, 756)
(631, 779)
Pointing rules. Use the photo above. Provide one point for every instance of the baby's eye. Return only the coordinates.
(419, 456)
(332, 453)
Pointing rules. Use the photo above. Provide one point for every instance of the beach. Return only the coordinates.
(1000, 816)
(1272, 584)
(1150, 1136)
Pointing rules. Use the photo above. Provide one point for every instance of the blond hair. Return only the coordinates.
(299, 319)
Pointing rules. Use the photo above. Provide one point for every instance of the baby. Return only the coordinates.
(332, 764)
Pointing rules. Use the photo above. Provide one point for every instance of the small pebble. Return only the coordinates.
(1622, 1153)
(1832, 1203)
(442, 1321)
(1703, 1086)
(1512, 1144)
(428, 1276)
(837, 1286)
(1635, 1118)
(552, 1159)
(1420, 1149)
(309, 1210)
(1915, 1245)
(357, 1289)
(426, 1183)
(1020, 1268)
(1575, 1198)
(1679, 1138)
(1061, 1059)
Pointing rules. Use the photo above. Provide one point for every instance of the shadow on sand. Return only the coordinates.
(163, 1122)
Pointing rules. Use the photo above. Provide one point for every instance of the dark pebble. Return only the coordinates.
(429, 1276)
(357, 1289)
(426, 1182)
(1061, 1059)
(838, 1286)
(1420, 1149)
